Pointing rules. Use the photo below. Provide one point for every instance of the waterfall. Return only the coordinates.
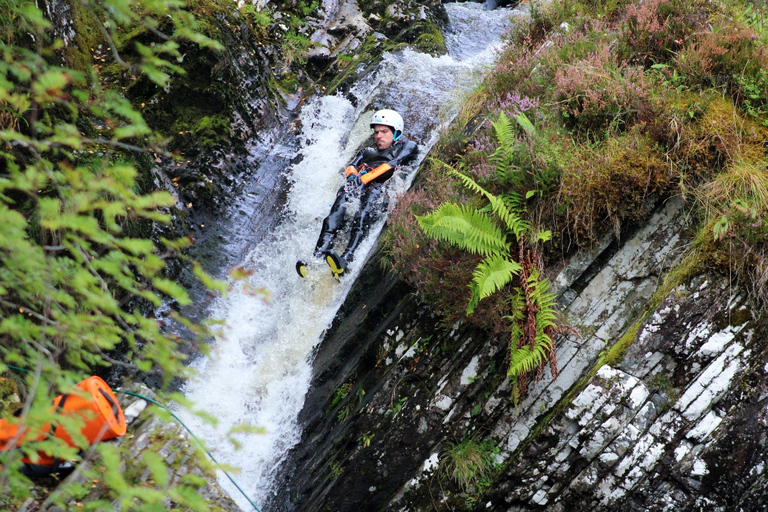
(260, 364)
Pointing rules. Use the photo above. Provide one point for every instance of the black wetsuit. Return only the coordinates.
(371, 206)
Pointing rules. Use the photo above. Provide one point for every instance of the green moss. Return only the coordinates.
(210, 131)
(258, 21)
(431, 42)
(689, 267)
(288, 83)
(194, 112)
(618, 350)
(88, 37)
(207, 13)
(740, 317)
(336, 470)
(346, 68)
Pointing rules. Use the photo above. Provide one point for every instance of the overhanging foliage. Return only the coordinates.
(79, 272)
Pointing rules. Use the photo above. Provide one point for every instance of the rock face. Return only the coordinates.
(677, 424)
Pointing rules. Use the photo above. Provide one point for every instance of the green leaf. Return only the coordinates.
(525, 124)
(136, 246)
(67, 134)
(498, 205)
(528, 358)
(156, 466)
(34, 16)
(208, 281)
(71, 261)
(50, 209)
(50, 85)
(173, 290)
(720, 229)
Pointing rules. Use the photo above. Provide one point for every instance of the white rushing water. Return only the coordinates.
(260, 367)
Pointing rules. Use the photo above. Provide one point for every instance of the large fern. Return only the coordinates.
(503, 158)
(492, 231)
(518, 161)
(526, 352)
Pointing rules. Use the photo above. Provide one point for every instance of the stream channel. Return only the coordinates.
(261, 362)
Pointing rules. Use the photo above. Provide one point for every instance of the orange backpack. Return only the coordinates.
(98, 407)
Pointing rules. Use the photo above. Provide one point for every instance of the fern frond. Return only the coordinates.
(506, 213)
(526, 354)
(511, 219)
(512, 200)
(466, 228)
(470, 183)
(527, 358)
(491, 275)
(543, 236)
(502, 128)
(543, 300)
(503, 158)
(525, 124)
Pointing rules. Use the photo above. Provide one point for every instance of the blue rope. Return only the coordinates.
(131, 393)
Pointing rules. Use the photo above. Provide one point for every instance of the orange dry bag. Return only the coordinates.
(99, 409)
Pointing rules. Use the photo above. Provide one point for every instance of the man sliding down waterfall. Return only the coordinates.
(366, 176)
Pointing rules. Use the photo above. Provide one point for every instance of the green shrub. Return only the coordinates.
(470, 462)
(735, 205)
(720, 56)
(706, 132)
(510, 263)
(624, 104)
(753, 90)
(599, 96)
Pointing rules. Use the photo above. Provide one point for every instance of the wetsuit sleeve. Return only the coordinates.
(405, 155)
(360, 157)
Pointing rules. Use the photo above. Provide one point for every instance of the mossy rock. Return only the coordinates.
(431, 42)
(195, 132)
(79, 54)
(9, 397)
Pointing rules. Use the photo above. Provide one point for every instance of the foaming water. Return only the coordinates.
(260, 368)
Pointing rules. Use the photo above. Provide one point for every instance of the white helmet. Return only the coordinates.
(389, 118)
